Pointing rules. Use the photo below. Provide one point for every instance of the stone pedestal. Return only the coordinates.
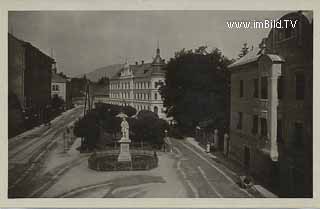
(124, 155)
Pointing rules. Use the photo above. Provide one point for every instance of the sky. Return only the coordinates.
(83, 41)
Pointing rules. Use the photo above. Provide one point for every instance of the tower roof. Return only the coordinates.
(158, 60)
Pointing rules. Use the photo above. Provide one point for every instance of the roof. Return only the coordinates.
(56, 78)
(145, 69)
(141, 70)
(251, 56)
(27, 44)
(308, 15)
(275, 58)
(158, 60)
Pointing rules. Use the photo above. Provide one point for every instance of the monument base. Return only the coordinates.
(124, 157)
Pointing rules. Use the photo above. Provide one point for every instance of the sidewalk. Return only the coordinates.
(219, 157)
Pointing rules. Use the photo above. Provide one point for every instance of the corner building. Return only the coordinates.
(138, 86)
(271, 109)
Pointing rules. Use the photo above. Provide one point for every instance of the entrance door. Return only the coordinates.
(246, 157)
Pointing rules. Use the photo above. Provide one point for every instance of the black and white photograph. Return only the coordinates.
(160, 104)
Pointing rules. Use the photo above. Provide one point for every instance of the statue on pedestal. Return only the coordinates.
(125, 128)
(124, 155)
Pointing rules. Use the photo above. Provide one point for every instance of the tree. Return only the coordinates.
(197, 87)
(148, 128)
(78, 86)
(244, 50)
(57, 103)
(103, 81)
(147, 114)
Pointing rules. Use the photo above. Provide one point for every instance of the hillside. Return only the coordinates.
(107, 71)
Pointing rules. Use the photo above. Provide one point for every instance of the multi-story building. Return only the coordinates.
(29, 77)
(271, 108)
(138, 86)
(59, 86)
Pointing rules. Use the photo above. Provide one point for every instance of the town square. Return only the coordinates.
(160, 104)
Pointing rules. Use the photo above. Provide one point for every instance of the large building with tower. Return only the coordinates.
(271, 108)
(138, 85)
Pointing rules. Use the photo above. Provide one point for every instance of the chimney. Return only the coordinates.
(136, 63)
(142, 62)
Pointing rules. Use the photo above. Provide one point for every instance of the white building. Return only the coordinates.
(58, 86)
(138, 86)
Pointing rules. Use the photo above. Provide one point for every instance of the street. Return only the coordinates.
(27, 150)
(203, 176)
(39, 171)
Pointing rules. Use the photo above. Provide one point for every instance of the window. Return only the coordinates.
(300, 85)
(298, 135)
(264, 129)
(264, 87)
(241, 88)
(55, 87)
(279, 131)
(256, 88)
(280, 87)
(239, 125)
(255, 124)
(155, 96)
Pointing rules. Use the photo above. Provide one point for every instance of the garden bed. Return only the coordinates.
(108, 161)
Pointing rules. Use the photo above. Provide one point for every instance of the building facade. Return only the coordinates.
(271, 109)
(59, 86)
(138, 86)
(29, 79)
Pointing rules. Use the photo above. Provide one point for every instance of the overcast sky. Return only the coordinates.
(85, 40)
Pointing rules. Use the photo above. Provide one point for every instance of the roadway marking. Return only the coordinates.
(184, 175)
(210, 163)
(209, 183)
(215, 167)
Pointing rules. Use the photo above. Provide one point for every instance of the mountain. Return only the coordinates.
(107, 71)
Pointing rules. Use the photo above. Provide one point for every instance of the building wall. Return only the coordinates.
(16, 65)
(61, 91)
(293, 170)
(37, 78)
(142, 93)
